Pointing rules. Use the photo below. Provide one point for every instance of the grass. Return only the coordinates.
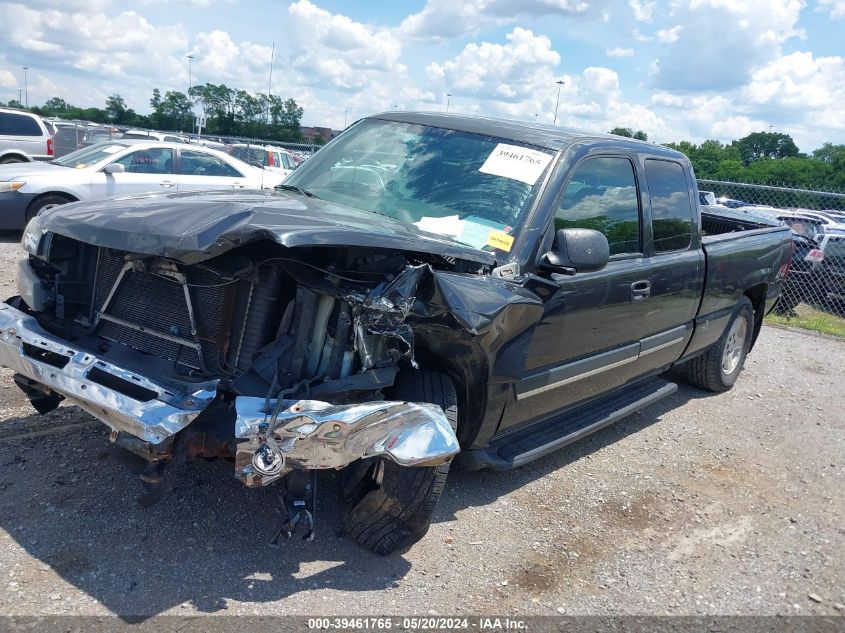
(809, 318)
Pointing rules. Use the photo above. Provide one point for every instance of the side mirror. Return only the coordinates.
(576, 251)
(114, 168)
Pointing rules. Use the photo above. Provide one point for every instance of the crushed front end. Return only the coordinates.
(277, 359)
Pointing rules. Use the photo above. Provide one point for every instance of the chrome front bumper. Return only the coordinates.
(302, 434)
(27, 349)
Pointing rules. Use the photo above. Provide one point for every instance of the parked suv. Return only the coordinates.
(23, 137)
(70, 138)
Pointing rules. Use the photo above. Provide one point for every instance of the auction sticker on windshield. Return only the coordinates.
(517, 163)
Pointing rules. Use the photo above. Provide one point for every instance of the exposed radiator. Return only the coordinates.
(158, 304)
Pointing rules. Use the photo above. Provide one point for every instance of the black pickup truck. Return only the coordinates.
(424, 287)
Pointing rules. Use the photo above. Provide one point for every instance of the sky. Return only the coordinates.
(677, 69)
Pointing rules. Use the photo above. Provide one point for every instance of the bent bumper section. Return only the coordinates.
(272, 440)
(310, 434)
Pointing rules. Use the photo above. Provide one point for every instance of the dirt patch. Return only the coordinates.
(636, 512)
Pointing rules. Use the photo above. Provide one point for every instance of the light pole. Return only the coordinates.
(345, 112)
(448, 100)
(25, 86)
(270, 81)
(559, 83)
(190, 74)
(20, 97)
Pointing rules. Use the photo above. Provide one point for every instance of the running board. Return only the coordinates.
(541, 438)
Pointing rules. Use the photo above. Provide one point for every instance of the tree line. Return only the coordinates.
(229, 112)
(760, 157)
(769, 158)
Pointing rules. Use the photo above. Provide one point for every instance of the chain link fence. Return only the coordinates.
(70, 136)
(814, 291)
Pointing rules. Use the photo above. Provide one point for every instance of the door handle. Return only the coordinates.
(640, 290)
(166, 183)
(237, 185)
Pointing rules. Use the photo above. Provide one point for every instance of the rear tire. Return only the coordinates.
(718, 368)
(786, 305)
(12, 159)
(389, 507)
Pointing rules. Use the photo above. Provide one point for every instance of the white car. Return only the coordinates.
(150, 135)
(808, 222)
(120, 168)
(276, 159)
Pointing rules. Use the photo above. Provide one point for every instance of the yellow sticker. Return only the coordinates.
(81, 166)
(500, 240)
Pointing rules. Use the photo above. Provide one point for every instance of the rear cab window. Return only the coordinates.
(602, 194)
(671, 210)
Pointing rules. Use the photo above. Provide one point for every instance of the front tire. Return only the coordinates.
(718, 368)
(44, 203)
(389, 507)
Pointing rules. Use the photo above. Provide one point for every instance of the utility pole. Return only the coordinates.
(559, 83)
(20, 97)
(345, 112)
(448, 100)
(270, 83)
(26, 86)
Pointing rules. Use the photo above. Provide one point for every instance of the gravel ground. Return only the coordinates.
(701, 504)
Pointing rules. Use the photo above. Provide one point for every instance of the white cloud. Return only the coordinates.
(669, 36)
(443, 19)
(640, 37)
(803, 95)
(325, 47)
(724, 41)
(7, 79)
(507, 71)
(836, 7)
(619, 52)
(642, 9)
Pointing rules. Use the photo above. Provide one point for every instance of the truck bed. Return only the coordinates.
(744, 253)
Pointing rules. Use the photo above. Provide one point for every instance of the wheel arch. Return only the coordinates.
(13, 154)
(62, 194)
(757, 295)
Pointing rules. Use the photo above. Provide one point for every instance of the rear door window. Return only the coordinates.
(194, 163)
(13, 124)
(671, 210)
(602, 195)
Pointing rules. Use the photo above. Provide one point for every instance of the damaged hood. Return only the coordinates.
(195, 226)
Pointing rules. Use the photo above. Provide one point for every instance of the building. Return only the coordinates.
(311, 134)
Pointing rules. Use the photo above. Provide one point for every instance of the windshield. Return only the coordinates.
(470, 188)
(89, 155)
